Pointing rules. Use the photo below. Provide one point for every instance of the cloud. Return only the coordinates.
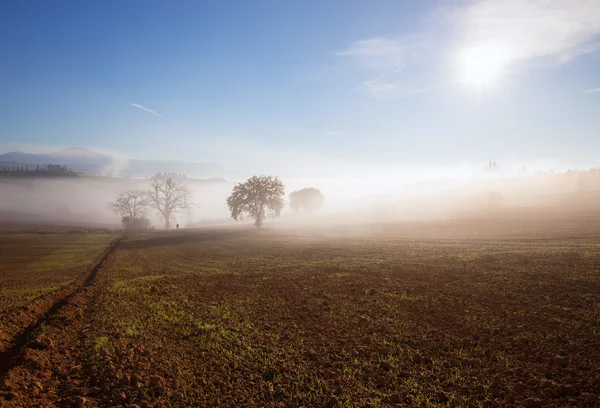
(526, 30)
(388, 59)
(593, 90)
(379, 54)
(146, 109)
(389, 87)
(335, 133)
(378, 85)
(478, 41)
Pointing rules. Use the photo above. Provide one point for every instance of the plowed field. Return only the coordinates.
(257, 318)
(34, 264)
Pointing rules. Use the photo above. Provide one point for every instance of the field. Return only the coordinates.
(34, 264)
(290, 318)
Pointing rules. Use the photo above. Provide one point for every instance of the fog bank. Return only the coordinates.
(354, 198)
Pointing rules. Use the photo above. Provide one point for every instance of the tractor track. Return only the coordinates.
(34, 316)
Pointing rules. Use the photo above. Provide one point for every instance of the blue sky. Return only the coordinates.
(328, 84)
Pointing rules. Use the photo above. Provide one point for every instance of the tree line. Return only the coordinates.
(50, 170)
(258, 198)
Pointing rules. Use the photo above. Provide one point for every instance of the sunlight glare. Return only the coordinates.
(481, 66)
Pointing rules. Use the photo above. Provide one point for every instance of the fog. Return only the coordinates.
(358, 196)
(84, 201)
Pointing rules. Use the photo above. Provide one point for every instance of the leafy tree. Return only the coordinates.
(257, 198)
(132, 204)
(308, 200)
(169, 197)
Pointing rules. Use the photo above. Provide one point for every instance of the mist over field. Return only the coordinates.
(367, 197)
(85, 200)
(329, 204)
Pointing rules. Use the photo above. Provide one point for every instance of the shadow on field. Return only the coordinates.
(16, 354)
(164, 240)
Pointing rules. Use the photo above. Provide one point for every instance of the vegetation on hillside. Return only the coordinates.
(50, 170)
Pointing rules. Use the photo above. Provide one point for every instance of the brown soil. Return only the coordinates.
(274, 320)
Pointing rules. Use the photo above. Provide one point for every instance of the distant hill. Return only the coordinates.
(92, 162)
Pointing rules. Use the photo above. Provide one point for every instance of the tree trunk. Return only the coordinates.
(167, 223)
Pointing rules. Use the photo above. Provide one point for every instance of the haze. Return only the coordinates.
(310, 203)
(365, 101)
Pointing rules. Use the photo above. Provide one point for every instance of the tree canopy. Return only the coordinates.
(132, 204)
(257, 198)
(169, 197)
(307, 200)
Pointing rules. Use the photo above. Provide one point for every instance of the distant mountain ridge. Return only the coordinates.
(92, 162)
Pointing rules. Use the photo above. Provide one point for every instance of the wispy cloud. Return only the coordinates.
(524, 30)
(378, 85)
(146, 109)
(387, 59)
(593, 90)
(382, 56)
(379, 53)
(391, 87)
(335, 133)
(483, 39)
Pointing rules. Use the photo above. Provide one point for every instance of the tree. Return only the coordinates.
(140, 223)
(257, 198)
(169, 197)
(307, 199)
(131, 205)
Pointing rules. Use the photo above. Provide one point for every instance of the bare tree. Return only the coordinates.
(169, 197)
(258, 198)
(132, 203)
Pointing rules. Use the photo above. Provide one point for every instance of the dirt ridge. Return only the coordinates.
(27, 320)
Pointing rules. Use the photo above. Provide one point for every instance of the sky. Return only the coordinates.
(315, 84)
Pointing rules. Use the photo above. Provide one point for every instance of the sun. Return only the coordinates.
(481, 66)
